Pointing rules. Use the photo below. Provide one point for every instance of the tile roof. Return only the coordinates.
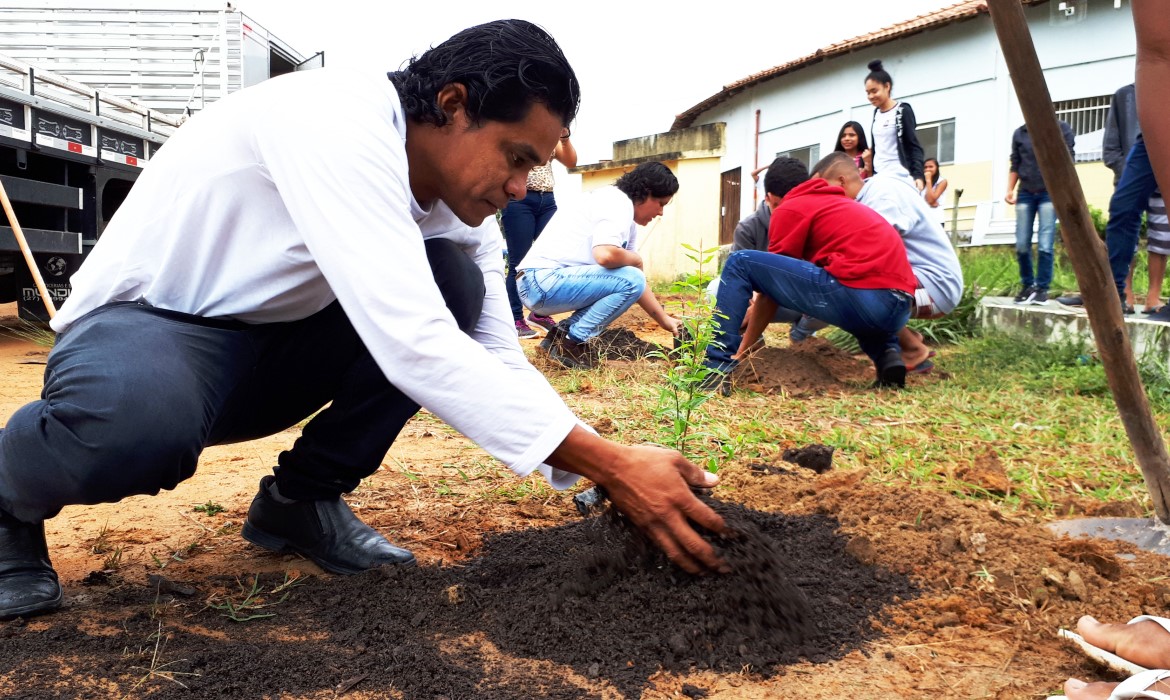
(931, 20)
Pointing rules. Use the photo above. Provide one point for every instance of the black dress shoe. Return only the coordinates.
(325, 532)
(28, 584)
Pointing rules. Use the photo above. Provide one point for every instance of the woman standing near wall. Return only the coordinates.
(851, 142)
(936, 184)
(895, 142)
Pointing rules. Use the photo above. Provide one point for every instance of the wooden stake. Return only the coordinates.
(1085, 250)
(28, 256)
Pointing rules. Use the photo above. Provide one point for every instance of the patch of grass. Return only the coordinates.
(253, 601)
(209, 508)
(37, 333)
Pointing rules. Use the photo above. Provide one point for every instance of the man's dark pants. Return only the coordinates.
(133, 394)
(1130, 198)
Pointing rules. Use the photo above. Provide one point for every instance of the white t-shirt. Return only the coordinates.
(939, 211)
(885, 140)
(604, 216)
(263, 210)
(931, 256)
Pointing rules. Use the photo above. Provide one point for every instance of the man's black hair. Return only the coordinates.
(879, 74)
(784, 174)
(827, 167)
(648, 180)
(506, 66)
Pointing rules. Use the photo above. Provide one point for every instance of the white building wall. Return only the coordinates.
(955, 72)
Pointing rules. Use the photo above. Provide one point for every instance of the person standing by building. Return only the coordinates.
(932, 193)
(895, 146)
(851, 141)
(524, 219)
(1032, 202)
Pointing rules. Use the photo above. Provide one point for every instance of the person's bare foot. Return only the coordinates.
(1079, 690)
(1144, 643)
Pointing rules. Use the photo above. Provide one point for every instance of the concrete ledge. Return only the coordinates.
(1054, 323)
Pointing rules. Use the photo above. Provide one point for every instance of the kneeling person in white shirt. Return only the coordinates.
(585, 262)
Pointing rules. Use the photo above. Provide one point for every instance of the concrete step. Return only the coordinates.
(1052, 322)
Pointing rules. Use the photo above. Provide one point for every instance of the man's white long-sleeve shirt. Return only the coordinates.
(281, 198)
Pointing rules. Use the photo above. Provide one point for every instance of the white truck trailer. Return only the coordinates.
(88, 92)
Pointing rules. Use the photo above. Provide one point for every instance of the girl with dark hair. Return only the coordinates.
(935, 185)
(851, 142)
(895, 144)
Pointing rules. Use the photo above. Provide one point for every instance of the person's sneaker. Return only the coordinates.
(572, 354)
(28, 584)
(1071, 300)
(1026, 295)
(716, 382)
(325, 532)
(1040, 298)
(524, 330)
(546, 322)
(891, 371)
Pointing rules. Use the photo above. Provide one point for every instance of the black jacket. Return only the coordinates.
(909, 150)
(1121, 130)
(1024, 163)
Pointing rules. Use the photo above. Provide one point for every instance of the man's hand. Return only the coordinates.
(1010, 197)
(652, 486)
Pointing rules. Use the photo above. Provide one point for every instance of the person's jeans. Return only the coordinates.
(523, 220)
(596, 295)
(873, 316)
(803, 327)
(1130, 198)
(1029, 205)
(133, 394)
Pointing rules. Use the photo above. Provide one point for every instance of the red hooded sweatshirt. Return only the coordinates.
(817, 222)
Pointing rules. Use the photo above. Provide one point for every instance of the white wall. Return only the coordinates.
(955, 72)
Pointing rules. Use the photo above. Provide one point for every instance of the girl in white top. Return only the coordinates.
(933, 190)
(895, 146)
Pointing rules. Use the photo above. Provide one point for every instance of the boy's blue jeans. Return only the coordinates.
(873, 316)
(1029, 205)
(596, 295)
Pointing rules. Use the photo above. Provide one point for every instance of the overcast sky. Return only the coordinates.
(639, 63)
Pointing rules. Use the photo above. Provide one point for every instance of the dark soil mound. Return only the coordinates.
(589, 596)
(622, 344)
(814, 366)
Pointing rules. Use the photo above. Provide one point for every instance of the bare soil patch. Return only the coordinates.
(906, 593)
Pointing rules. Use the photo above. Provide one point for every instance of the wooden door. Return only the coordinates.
(728, 205)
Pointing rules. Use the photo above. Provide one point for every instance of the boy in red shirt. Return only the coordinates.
(829, 257)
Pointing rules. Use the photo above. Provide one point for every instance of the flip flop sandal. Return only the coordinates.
(923, 367)
(1134, 687)
(1153, 309)
(1108, 659)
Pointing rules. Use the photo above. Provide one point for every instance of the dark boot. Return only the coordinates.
(572, 354)
(28, 584)
(326, 532)
(554, 334)
(891, 371)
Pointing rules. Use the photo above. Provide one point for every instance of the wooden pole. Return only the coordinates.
(1085, 250)
(28, 256)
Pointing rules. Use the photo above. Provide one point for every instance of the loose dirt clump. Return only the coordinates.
(812, 367)
(590, 596)
(621, 344)
(818, 458)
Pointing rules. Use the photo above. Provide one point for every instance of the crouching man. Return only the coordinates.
(261, 269)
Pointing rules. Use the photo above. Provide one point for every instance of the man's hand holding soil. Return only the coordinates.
(652, 486)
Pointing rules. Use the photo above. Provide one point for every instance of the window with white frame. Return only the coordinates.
(809, 155)
(938, 140)
(1087, 117)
